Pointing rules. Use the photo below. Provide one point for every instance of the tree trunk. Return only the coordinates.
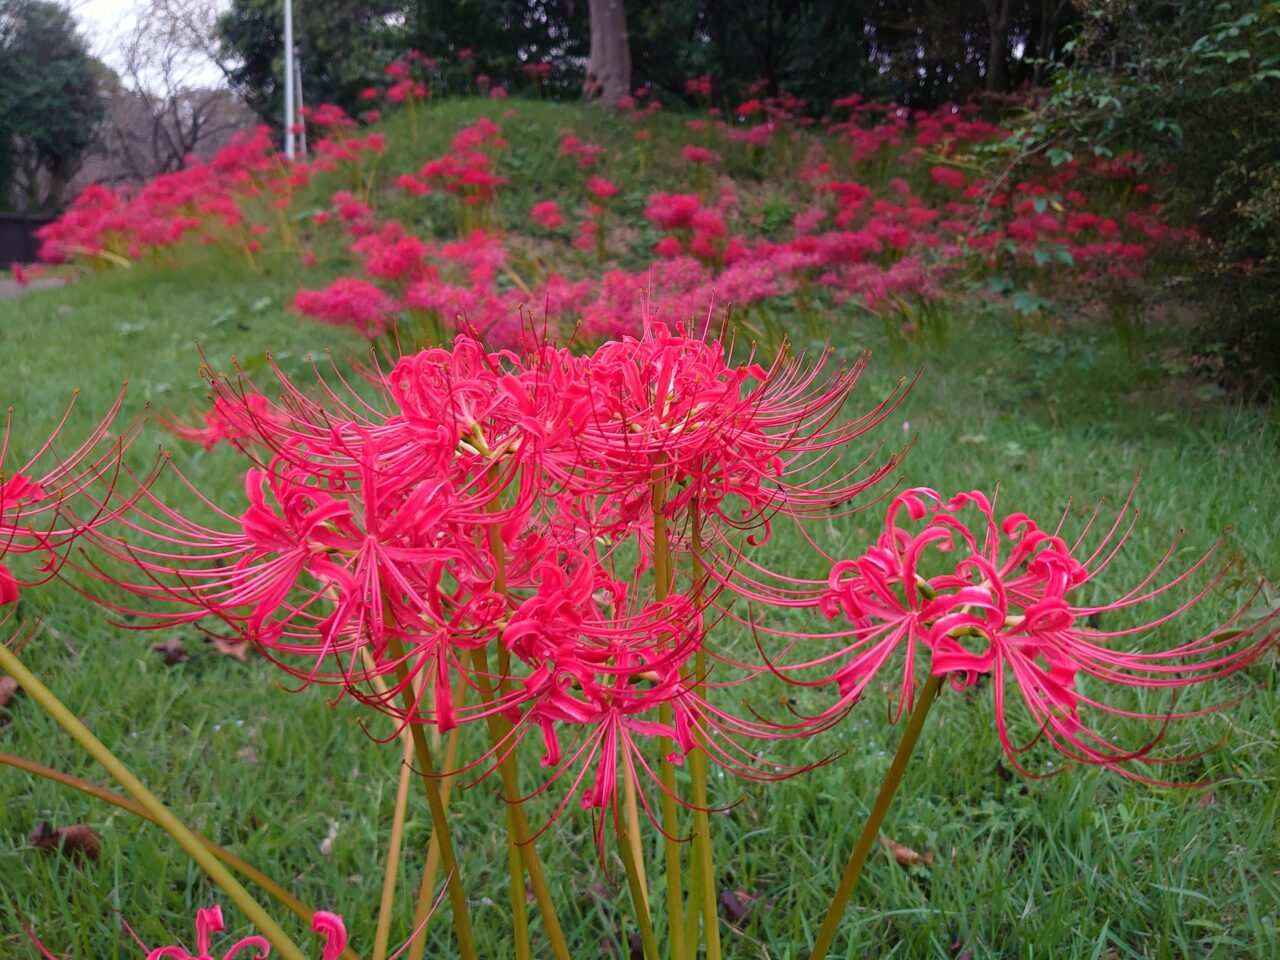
(998, 45)
(609, 70)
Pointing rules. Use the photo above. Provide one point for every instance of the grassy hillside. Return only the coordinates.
(1085, 864)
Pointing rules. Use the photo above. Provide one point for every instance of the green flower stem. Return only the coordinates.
(519, 835)
(162, 815)
(439, 820)
(519, 906)
(871, 830)
(382, 932)
(706, 879)
(636, 886)
(285, 898)
(427, 883)
(693, 907)
(634, 834)
(667, 770)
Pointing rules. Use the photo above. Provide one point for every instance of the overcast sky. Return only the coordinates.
(106, 21)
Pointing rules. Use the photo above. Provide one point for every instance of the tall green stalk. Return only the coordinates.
(240, 866)
(639, 902)
(706, 874)
(667, 770)
(520, 836)
(439, 820)
(871, 830)
(157, 811)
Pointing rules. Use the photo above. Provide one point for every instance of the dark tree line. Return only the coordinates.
(916, 51)
(50, 106)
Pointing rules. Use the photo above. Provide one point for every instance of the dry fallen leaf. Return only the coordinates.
(247, 755)
(77, 840)
(326, 845)
(905, 856)
(171, 652)
(8, 687)
(231, 648)
(738, 906)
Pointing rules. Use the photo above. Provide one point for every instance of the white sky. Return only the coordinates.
(105, 22)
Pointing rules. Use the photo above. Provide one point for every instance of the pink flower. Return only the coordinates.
(348, 301)
(41, 511)
(547, 213)
(699, 86)
(668, 248)
(992, 596)
(948, 176)
(602, 188)
(694, 154)
(209, 921)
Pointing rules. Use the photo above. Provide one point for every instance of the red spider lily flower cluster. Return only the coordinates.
(875, 248)
(512, 524)
(209, 921)
(32, 497)
(954, 589)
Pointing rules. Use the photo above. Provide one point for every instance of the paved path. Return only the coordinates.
(11, 288)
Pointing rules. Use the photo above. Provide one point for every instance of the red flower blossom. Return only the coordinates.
(348, 301)
(547, 213)
(1002, 604)
(694, 154)
(602, 188)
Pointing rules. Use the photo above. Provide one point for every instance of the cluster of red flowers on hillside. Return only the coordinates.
(548, 538)
(882, 207)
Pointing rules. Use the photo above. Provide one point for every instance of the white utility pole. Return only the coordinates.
(288, 79)
(302, 111)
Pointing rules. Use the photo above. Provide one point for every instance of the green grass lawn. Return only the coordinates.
(1081, 865)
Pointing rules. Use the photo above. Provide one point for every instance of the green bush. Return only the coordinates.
(1194, 86)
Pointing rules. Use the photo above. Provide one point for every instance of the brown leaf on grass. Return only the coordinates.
(905, 856)
(231, 648)
(247, 754)
(1206, 800)
(8, 687)
(172, 652)
(738, 906)
(78, 840)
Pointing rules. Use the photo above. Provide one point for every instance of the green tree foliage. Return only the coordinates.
(342, 46)
(918, 51)
(50, 107)
(505, 35)
(1194, 86)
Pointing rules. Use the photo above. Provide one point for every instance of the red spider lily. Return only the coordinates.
(547, 213)
(602, 187)
(223, 423)
(464, 510)
(691, 153)
(948, 177)
(348, 301)
(209, 921)
(1003, 606)
(34, 498)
